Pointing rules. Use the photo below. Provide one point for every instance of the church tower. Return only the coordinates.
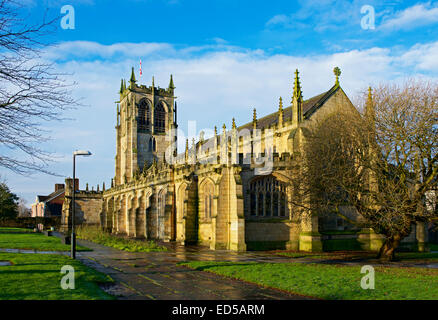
(146, 126)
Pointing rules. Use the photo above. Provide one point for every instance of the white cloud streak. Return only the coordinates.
(413, 17)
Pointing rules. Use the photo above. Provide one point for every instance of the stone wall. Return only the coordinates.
(88, 207)
(271, 234)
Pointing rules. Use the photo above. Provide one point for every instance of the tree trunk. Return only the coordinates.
(387, 251)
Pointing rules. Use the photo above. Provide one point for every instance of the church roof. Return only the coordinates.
(309, 107)
(51, 196)
(41, 198)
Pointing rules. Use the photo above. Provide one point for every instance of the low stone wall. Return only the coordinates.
(338, 241)
(271, 234)
(88, 209)
(367, 239)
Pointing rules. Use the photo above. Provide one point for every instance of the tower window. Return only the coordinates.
(160, 119)
(144, 115)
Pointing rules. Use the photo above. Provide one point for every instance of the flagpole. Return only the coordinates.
(140, 73)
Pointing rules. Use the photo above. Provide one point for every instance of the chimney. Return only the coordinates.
(69, 185)
(59, 186)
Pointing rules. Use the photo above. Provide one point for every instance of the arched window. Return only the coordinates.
(267, 197)
(181, 202)
(160, 118)
(161, 209)
(144, 115)
(208, 192)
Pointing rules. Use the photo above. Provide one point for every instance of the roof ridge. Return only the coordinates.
(287, 108)
(321, 101)
(54, 194)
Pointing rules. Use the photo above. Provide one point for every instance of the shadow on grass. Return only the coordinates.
(212, 266)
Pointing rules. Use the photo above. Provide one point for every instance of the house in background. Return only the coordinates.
(50, 205)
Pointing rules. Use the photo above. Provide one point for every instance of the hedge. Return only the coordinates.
(30, 222)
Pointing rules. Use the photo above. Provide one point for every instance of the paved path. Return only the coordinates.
(155, 275)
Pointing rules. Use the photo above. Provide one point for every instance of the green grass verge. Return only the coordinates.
(349, 255)
(95, 234)
(302, 255)
(416, 255)
(330, 281)
(38, 277)
(16, 238)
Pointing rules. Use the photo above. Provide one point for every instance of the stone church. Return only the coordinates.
(231, 191)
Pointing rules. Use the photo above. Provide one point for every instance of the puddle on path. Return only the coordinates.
(5, 263)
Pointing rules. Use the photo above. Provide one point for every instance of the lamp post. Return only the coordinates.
(73, 235)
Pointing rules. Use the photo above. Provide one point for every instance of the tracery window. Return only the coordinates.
(144, 115)
(181, 202)
(208, 193)
(268, 197)
(160, 118)
(161, 206)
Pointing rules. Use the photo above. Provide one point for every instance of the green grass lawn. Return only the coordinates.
(38, 277)
(330, 281)
(15, 238)
(95, 234)
(352, 255)
(429, 256)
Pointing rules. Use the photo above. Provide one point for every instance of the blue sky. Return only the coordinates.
(288, 27)
(226, 57)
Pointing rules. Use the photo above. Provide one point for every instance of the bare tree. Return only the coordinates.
(23, 210)
(383, 163)
(31, 91)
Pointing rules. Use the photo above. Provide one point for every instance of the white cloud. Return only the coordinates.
(281, 19)
(412, 17)
(319, 16)
(421, 57)
(218, 40)
(92, 50)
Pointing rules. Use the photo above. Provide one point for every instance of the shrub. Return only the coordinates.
(97, 235)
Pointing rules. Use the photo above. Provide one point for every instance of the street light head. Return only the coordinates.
(82, 153)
